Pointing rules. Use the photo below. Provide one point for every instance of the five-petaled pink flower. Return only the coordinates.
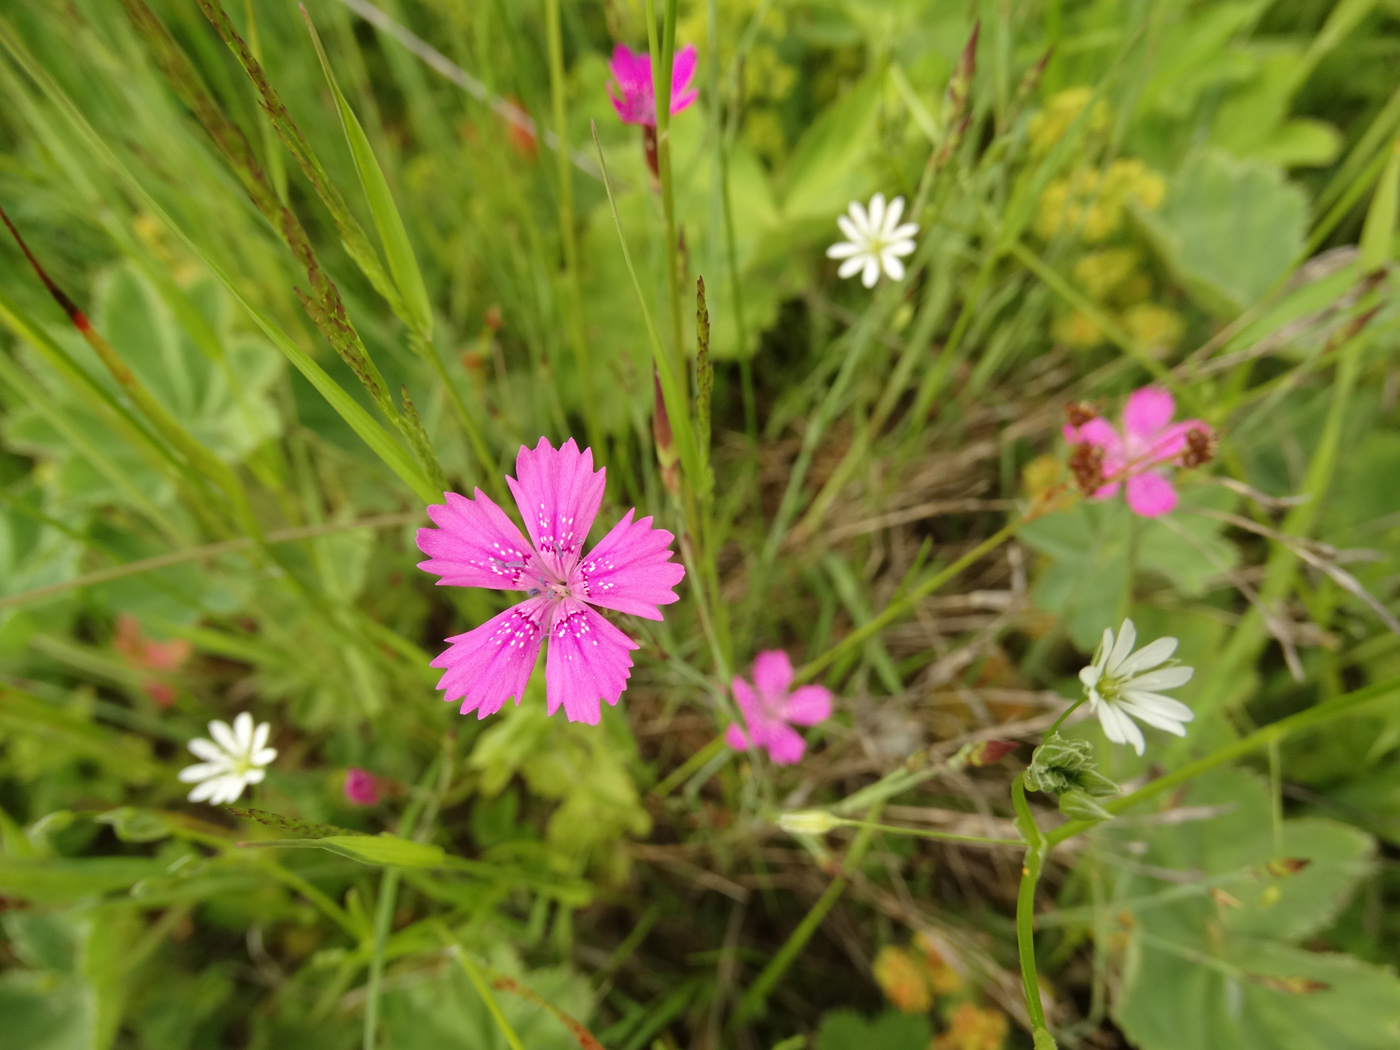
(635, 99)
(771, 707)
(476, 545)
(1140, 454)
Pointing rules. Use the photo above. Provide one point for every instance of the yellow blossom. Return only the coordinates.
(1151, 325)
(902, 981)
(974, 1028)
(942, 978)
(1077, 329)
(1101, 273)
(1049, 125)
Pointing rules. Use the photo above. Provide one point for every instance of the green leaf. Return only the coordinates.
(383, 850)
(1228, 229)
(403, 264)
(1200, 974)
(824, 173)
(59, 879)
(1078, 804)
(137, 825)
(891, 1030)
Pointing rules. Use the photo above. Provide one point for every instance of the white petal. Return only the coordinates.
(1149, 655)
(1153, 718)
(1162, 678)
(1127, 727)
(260, 736)
(231, 787)
(896, 209)
(1127, 638)
(207, 750)
(900, 248)
(1112, 727)
(852, 232)
(206, 790)
(223, 736)
(860, 220)
(877, 213)
(243, 730)
(202, 771)
(255, 776)
(1165, 706)
(843, 250)
(872, 271)
(1090, 676)
(892, 266)
(263, 757)
(903, 233)
(1105, 647)
(853, 265)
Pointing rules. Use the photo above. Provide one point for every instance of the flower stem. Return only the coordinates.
(663, 53)
(1025, 910)
(927, 833)
(1063, 715)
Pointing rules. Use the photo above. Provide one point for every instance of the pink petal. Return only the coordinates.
(1099, 432)
(475, 545)
(558, 493)
(736, 737)
(631, 70)
(588, 660)
(808, 705)
(1148, 410)
(1151, 495)
(1171, 442)
(749, 704)
(630, 570)
(491, 664)
(684, 100)
(772, 674)
(785, 746)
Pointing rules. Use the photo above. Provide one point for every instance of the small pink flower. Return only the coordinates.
(635, 100)
(1139, 455)
(771, 708)
(361, 788)
(476, 545)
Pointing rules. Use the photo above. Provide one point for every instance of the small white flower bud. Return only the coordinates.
(808, 822)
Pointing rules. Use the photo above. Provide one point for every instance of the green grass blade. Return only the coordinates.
(403, 264)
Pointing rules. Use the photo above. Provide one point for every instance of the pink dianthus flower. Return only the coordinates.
(361, 788)
(771, 707)
(635, 99)
(1138, 456)
(476, 545)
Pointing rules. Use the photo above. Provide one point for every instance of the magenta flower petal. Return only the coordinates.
(491, 664)
(1170, 442)
(635, 96)
(631, 570)
(682, 72)
(588, 660)
(1147, 411)
(768, 707)
(558, 493)
(1099, 432)
(785, 745)
(807, 705)
(475, 545)
(1150, 495)
(360, 788)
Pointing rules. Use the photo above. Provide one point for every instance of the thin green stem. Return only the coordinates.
(663, 53)
(383, 918)
(928, 833)
(1025, 906)
(691, 765)
(1063, 715)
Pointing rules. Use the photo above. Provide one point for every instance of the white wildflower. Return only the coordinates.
(875, 240)
(1122, 685)
(231, 761)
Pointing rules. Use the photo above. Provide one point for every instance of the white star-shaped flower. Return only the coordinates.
(875, 240)
(231, 761)
(1122, 685)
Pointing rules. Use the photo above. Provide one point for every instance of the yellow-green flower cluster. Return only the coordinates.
(1091, 204)
(1049, 125)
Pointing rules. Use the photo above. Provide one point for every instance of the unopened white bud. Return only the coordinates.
(808, 822)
